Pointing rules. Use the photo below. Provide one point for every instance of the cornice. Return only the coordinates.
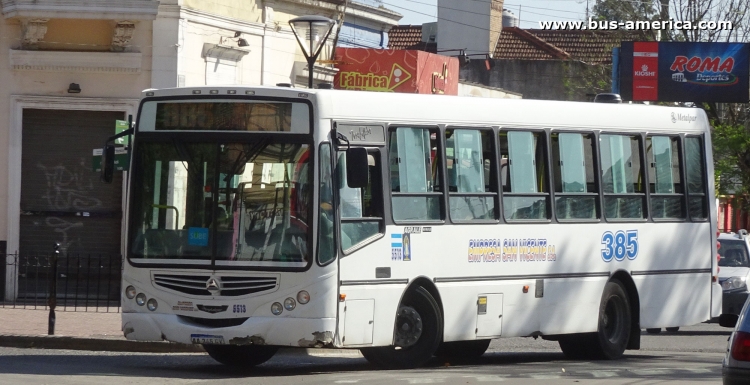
(92, 62)
(81, 9)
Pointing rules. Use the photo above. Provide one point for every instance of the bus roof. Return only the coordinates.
(474, 111)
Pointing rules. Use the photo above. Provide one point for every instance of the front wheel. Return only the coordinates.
(419, 329)
(240, 355)
(673, 329)
(653, 330)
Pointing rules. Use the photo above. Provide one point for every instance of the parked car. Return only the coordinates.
(734, 270)
(736, 364)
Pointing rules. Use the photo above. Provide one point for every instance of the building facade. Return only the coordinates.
(70, 69)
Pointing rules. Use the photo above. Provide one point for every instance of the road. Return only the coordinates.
(692, 355)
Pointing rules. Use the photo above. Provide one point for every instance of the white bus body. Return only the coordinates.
(493, 276)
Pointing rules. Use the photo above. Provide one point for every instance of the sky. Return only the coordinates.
(530, 12)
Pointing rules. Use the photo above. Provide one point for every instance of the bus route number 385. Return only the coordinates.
(619, 245)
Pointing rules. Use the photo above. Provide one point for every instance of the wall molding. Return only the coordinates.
(81, 9)
(95, 62)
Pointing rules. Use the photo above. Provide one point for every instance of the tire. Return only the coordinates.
(462, 349)
(653, 330)
(575, 346)
(245, 356)
(613, 333)
(418, 332)
(613, 330)
(673, 329)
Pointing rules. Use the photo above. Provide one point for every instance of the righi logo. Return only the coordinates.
(373, 82)
(708, 71)
(645, 72)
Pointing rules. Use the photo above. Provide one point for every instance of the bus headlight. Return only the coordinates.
(734, 283)
(140, 299)
(152, 304)
(276, 308)
(130, 292)
(303, 297)
(290, 304)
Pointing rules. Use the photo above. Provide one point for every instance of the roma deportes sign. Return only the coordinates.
(684, 72)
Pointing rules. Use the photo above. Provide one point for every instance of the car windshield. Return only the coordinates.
(733, 253)
(226, 203)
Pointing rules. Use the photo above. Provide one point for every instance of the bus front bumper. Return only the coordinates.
(276, 331)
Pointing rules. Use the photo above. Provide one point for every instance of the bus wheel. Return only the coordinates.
(462, 349)
(419, 329)
(240, 356)
(653, 330)
(674, 329)
(611, 339)
(575, 346)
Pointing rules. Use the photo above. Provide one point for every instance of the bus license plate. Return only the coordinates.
(207, 339)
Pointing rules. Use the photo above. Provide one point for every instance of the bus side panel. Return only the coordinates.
(386, 298)
(570, 305)
(674, 300)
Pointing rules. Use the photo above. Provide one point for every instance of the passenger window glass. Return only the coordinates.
(326, 247)
(696, 182)
(414, 158)
(575, 187)
(524, 175)
(360, 208)
(622, 177)
(664, 177)
(470, 174)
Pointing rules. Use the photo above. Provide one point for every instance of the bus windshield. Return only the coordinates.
(221, 203)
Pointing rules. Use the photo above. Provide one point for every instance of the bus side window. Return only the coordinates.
(622, 177)
(576, 193)
(360, 209)
(415, 181)
(523, 160)
(470, 174)
(665, 185)
(696, 182)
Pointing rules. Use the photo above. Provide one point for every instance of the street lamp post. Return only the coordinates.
(311, 33)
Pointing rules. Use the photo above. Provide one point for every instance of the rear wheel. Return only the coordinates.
(613, 331)
(653, 330)
(462, 349)
(240, 356)
(419, 329)
(673, 329)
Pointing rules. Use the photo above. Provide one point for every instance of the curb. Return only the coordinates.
(96, 344)
(121, 345)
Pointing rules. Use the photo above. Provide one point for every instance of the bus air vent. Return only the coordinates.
(228, 286)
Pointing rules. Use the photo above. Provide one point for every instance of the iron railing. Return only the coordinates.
(83, 282)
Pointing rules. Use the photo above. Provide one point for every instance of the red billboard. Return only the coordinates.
(407, 71)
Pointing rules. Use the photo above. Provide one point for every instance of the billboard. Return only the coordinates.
(684, 72)
(369, 69)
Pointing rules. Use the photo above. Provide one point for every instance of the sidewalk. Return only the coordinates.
(98, 331)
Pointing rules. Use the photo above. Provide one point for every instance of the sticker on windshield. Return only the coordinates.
(198, 236)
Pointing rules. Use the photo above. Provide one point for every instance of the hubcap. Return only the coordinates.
(408, 327)
(613, 319)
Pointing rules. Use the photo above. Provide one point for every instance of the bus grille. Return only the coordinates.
(231, 286)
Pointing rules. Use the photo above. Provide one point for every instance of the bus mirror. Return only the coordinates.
(108, 163)
(356, 167)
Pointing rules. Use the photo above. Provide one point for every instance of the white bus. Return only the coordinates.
(409, 226)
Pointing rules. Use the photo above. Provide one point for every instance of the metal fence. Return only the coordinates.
(79, 282)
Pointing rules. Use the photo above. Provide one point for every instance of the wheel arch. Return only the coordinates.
(635, 307)
(429, 285)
